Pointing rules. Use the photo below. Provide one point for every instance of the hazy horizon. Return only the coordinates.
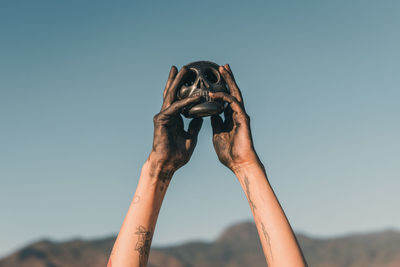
(184, 241)
(81, 81)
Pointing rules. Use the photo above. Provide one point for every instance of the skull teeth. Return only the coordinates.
(204, 93)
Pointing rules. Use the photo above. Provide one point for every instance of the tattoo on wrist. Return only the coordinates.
(143, 245)
(161, 188)
(247, 183)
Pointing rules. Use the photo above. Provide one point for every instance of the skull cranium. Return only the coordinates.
(202, 77)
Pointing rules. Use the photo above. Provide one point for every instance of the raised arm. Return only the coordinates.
(172, 148)
(234, 146)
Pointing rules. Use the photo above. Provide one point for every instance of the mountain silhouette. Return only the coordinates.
(237, 246)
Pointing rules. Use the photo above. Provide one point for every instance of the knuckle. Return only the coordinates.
(247, 118)
(156, 117)
(229, 97)
(244, 117)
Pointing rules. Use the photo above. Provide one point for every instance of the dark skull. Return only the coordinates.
(202, 77)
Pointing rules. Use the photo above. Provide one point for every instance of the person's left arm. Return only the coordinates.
(172, 148)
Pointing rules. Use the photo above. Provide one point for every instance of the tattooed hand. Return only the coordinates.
(172, 145)
(232, 137)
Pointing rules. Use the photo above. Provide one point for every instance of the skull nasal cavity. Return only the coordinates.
(202, 84)
(190, 78)
(210, 76)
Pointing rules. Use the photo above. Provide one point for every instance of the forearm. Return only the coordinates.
(277, 238)
(132, 246)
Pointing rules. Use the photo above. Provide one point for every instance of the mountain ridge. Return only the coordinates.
(238, 245)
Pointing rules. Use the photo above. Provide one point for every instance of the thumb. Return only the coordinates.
(216, 123)
(195, 126)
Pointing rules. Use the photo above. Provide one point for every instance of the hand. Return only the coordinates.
(232, 138)
(172, 145)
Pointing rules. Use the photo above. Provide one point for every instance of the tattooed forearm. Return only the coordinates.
(143, 245)
(247, 183)
(266, 236)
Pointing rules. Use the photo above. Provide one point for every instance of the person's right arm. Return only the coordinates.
(234, 146)
(172, 148)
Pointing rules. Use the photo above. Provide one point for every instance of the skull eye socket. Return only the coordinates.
(190, 78)
(210, 75)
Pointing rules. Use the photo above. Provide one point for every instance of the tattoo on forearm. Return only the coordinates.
(143, 245)
(161, 188)
(267, 239)
(136, 199)
(247, 183)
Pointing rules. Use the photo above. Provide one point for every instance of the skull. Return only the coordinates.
(202, 77)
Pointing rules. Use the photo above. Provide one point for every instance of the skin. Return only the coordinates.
(173, 147)
(233, 144)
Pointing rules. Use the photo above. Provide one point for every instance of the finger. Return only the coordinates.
(228, 117)
(226, 66)
(231, 100)
(195, 126)
(171, 77)
(171, 93)
(178, 105)
(230, 80)
(216, 123)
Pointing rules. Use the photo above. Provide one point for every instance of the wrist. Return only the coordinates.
(158, 169)
(252, 161)
(246, 167)
(152, 187)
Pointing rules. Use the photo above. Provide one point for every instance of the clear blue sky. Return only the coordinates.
(81, 80)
